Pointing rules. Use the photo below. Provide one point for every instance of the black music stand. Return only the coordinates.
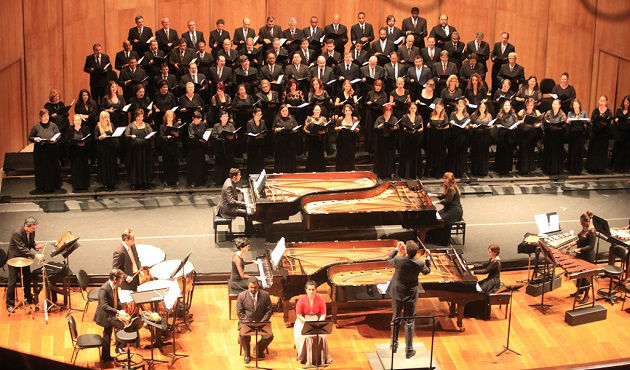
(153, 297)
(511, 289)
(66, 250)
(184, 293)
(247, 328)
(316, 328)
(174, 356)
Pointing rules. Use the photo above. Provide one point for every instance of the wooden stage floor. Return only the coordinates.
(545, 341)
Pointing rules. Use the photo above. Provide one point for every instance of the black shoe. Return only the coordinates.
(575, 293)
(261, 355)
(11, 309)
(410, 354)
(394, 347)
(247, 359)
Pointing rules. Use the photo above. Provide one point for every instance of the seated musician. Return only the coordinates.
(229, 205)
(22, 241)
(585, 250)
(253, 305)
(126, 259)
(238, 277)
(109, 311)
(492, 267)
(310, 307)
(452, 211)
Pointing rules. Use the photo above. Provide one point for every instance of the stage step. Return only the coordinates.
(381, 359)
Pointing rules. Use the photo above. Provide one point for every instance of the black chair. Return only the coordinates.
(129, 336)
(614, 273)
(82, 341)
(3, 261)
(220, 220)
(546, 85)
(87, 295)
(459, 228)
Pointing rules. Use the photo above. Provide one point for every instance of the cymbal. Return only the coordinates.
(20, 262)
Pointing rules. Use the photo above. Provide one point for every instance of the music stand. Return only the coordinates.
(247, 328)
(184, 292)
(511, 289)
(66, 250)
(316, 328)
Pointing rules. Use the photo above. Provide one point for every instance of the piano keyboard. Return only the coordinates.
(265, 276)
(251, 207)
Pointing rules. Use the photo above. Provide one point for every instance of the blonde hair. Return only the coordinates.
(104, 122)
(451, 78)
(168, 114)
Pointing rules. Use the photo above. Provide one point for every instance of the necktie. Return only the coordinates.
(430, 53)
(155, 54)
(292, 32)
(396, 71)
(194, 38)
(444, 67)
(98, 61)
(164, 77)
(166, 33)
(271, 32)
(127, 54)
(140, 31)
(133, 259)
(182, 57)
(312, 31)
(372, 73)
(273, 65)
(414, 21)
(220, 32)
(511, 68)
(219, 72)
(390, 31)
(347, 67)
(335, 28)
(255, 297)
(297, 68)
(356, 54)
(28, 238)
(246, 72)
(362, 29)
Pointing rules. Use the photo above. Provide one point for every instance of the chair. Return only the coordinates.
(88, 296)
(546, 85)
(220, 220)
(614, 272)
(82, 341)
(129, 336)
(232, 296)
(459, 228)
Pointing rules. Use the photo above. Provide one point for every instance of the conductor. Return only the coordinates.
(403, 289)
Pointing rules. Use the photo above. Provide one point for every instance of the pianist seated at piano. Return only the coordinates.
(492, 267)
(310, 307)
(238, 277)
(229, 205)
(585, 250)
(451, 213)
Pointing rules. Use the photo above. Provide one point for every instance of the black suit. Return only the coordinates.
(356, 33)
(468, 70)
(428, 61)
(128, 79)
(134, 34)
(175, 58)
(498, 59)
(216, 41)
(394, 34)
(411, 77)
(516, 75)
(379, 72)
(340, 36)
(149, 65)
(231, 57)
(204, 62)
(377, 48)
(353, 73)
(299, 73)
(20, 246)
(391, 75)
(240, 39)
(441, 37)
(419, 31)
(201, 86)
(440, 75)
(408, 56)
(360, 57)
(189, 39)
(307, 60)
(293, 40)
(482, 50)
(267, 74)
(336, 56)
(326, 75)
(313, 38)
(99, 74)
(240, 77)
(403, 288)
(248, 311)
(122, 59)
(171, 81)
(226, 76)
(265, 33)
(163, 40)
(229, 205)
(105, 316)
(122, 260)
(455, 52)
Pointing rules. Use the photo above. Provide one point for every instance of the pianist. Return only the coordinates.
(238, 277)
(585, 250)
(492, 267)
(229, 205)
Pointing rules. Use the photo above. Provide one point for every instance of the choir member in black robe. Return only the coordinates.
(425, 100)
(437, 140)
(346, 139)
(565, 92)
(139, 153)
(59, 116)
(113, 103)
(141, 101)
(294, 97)
(385, 128)
(319, 96)
(223, 136)
(169, 134)
(504, 157)
(411, 137)
(164, 101)
(555, 135)
(374, 101)
(188, 103)
(480, 140)
(88, 110)
(475, 91)
(196, 165)
(220, 101)
(256, 133)
(621, 148)
(107, 152)
(527, 134)
(269, 103)
(77, 135)
(399, 98)
(597, 157)
(346, 96)
(578, 126)
(529, 90)
(242, 107)
(46, 154)
(451, 94)
(315, 141)
(459, 138)
(285, 129)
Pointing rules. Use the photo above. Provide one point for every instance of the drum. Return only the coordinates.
(164, 270)
(173, 291)
(620, 234)
(149, 255)
(127, 303)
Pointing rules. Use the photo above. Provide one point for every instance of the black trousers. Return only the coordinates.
(262, 344)
(107, 337)
(407, 308)
(14, 278)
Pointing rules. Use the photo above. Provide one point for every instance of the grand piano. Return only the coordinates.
(275, 197)
(346, 265)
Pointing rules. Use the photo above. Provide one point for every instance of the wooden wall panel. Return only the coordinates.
(234, 12)
(301, 10)
(613, 24)
(470, 17)
(606, 79)
(623, 82)
(83, 26)
(14, 132)
(180, 11)
(43, 49)
(119, 18)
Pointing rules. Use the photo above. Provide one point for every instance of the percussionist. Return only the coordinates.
(22, 241)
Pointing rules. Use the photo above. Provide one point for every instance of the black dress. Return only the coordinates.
(374, 104)
(384, 162)
(117, 116)
(576, 136)
(315, 146)
(566, 96)
(451, 213)
(621, 148)
(107, 153)
(78, 150)
(555, 134)
(170, 154)
(450, 99)
(480, 145)
(242, 110)
(163, 102)
(140, 156)
(285, 143)
(597, 157)
(586, 243)
(436, 147)
(475, 99)
(256, 146)
(61, 120)
(323, 100)
(196, 166)
(458, 145)
(91, 110)
(46, 157)
(492, 282)
(527, 138)
(411, 138)
(505, 143)
(217, 105)
(346, 145)
(401, 106)
(236, 283)
(223, 152)
(269, 108)
(524, 94)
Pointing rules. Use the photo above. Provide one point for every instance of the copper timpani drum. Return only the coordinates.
(164, 270)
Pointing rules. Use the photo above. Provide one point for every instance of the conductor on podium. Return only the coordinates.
(253, 305)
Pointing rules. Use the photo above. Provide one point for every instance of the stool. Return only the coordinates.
(611, 272)
(217, 220)
(499, 299)
(459, 228)
(129, 336)
(232, 296)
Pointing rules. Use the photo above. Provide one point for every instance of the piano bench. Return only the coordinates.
(499, 299)
(459, 228)
(232, 295)
(218, 220)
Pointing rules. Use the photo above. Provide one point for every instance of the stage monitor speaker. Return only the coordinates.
(585, 315)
